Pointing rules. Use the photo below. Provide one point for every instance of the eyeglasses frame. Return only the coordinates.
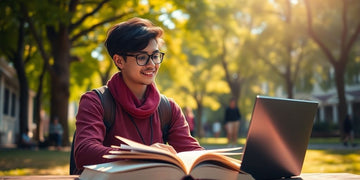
(150, 56)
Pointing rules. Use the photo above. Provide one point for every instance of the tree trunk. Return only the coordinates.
(38, 99)
(289, 87)
(199, 129)
(19, 65)
(340, 86)
(60, 77)
(24, 95)
(338, 65)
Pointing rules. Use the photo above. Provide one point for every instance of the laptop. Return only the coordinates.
(278, 137)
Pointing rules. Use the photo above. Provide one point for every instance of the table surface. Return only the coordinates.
(305, 176)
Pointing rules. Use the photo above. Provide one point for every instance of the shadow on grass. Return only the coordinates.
(33, 162)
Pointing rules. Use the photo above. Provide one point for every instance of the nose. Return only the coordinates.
(150, 61)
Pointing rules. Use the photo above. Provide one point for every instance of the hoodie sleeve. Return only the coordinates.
(90, 132)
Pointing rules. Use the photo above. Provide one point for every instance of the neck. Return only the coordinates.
(137, 90)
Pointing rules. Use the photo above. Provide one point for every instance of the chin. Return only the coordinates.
(147, 82)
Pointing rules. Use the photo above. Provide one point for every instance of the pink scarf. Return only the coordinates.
(128, 101)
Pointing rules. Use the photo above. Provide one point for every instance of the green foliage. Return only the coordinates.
(260, 42)
(325, 127)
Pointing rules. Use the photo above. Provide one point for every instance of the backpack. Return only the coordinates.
(109, 106)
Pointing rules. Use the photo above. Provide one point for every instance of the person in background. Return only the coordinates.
(217, 129)
(134, 47)
(348, 131)
(190, 118)
(27, 142)
(56, 133)
(232, 122)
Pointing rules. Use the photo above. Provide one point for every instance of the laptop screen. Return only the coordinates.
(278, 137)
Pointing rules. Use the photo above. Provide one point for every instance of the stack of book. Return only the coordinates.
(138, 161)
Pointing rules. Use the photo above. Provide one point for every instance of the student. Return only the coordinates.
(348, 131)
(134, 46)
(232, 122)
(56, 133)
(216, 128)
(27, 142)
(190, 118)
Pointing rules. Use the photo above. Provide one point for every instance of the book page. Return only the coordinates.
(185, 160)
(132, 169)
(121, 166)
(151, 151)
(193, 158)
(122, 155)
(141, 147)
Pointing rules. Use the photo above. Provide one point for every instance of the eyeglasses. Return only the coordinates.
(142, 59)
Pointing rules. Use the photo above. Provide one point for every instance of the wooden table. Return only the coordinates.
(331, 176)
(305, 176)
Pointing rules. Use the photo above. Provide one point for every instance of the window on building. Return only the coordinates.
(13, 104)
(6, 101)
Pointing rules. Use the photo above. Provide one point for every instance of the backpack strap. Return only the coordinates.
(165, 115)
(108, 104)
(72, 168)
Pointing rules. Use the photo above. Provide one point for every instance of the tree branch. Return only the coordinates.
(37, 38)
(222, 57)
(28, 57)
(84, 32)
(344, 29)
(72, 5)
(312, 34)
(266, 61)
(298, 61)
(353, 38)
(82, 19)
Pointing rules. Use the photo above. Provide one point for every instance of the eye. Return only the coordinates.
(156, 56)
(142, 57)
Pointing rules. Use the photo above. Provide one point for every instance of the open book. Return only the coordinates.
(139, 161)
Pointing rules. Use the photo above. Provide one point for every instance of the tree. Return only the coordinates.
(337, 51)
(14, 33)
(200, 81)
(227, 34)
(288, 56)
(66, 23)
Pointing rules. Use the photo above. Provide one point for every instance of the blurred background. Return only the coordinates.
(52, 51)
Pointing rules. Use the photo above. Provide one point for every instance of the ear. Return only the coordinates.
(119, 61)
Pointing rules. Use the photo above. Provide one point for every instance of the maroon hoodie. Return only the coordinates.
(135, 120)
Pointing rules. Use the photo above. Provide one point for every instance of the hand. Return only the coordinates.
(164, 147)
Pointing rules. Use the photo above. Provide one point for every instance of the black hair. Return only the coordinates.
(131, 36)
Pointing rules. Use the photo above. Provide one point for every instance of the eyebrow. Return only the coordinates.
(147, 52)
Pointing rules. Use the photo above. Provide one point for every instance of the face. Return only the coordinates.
(135, 75)
(232, 104)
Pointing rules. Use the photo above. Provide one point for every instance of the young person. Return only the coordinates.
(190, 118)
(56, 133)
(232, 122)
(134, 46)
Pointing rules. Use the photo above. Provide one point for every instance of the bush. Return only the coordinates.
(325, 129)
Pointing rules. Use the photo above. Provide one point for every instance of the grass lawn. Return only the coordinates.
(16, 162)
(332, 161)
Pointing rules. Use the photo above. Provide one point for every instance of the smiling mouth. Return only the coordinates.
(148, 73)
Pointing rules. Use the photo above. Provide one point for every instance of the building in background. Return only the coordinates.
(9, 105)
